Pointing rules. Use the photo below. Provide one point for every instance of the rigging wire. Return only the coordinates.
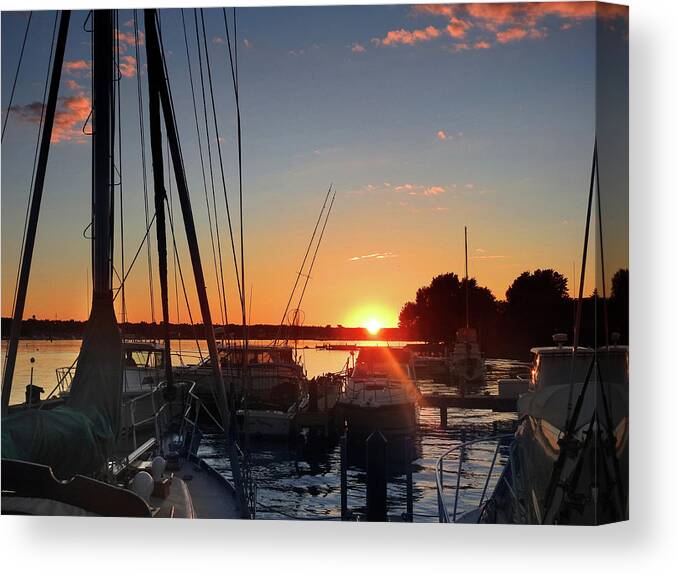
(182, 169)
(315, 254)
(236, 90)
(123, 302)
(303, 264)
(35, 164)
(16, 75)
(211, 169)
(134, 259)
(221, 167)
(140, 102)
(175, 255)
(183, 284)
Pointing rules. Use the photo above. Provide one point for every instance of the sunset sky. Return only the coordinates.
(424, 118)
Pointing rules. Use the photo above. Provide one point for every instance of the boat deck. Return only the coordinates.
(196, 492)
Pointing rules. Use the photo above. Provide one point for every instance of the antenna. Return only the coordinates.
(466, 270)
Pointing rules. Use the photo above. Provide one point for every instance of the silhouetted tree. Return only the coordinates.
(537, 306)
(619, 304)
(408, 318)
(440, 308)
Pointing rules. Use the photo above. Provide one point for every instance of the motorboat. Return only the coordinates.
(431, 360)
(467, 365)
(274, 379)
(381, 393)
(568, 461)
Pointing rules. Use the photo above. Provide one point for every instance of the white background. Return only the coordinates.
(646, 543)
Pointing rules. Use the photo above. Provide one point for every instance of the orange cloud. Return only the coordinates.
(457, 27)
(128, 66)
(73, 85)
(511, 35)
(75, 66)
(126, 39)
(502, 14)
(402, 36)
(71, 114)
(357, 48)
(516, 21)
(482, 45)
(434, 191)
(441, 135)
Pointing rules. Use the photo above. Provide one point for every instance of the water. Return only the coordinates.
(294, 484)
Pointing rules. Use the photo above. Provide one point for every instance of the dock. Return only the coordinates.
(444, 402)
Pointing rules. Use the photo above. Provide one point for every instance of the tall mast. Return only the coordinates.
(466, 270)
(158, 87)
(31, 230)
(160, 195)
(103, 121)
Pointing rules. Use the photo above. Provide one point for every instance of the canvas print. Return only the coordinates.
(333, 263)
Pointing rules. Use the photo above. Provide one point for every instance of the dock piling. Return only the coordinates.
(376, 477)
(344, 478)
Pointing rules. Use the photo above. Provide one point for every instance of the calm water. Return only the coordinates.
(291, 483)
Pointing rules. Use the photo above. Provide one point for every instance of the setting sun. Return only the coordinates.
(373, 326)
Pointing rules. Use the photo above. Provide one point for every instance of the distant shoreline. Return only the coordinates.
(41, 329)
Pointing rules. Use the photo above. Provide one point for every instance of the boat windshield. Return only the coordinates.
(143, 359)
(384, 362)
(233, 356)
(557, 369)
(614, 366)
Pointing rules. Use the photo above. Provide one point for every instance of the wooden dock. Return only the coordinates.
(444, 402)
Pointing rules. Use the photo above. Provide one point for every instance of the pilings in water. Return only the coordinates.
(344, 478)
(376, 477)
(377, 451)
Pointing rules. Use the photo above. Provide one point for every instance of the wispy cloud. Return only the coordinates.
(374, 256)
(488, 257)
(419, 190)
(128, 66)
(358, 48)
(408, 37)
(77, 66)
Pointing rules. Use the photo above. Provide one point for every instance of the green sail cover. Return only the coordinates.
(77, 438)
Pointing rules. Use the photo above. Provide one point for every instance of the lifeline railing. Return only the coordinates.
(463, 450)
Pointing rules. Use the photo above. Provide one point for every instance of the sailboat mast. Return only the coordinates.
(158, 87)
(103, 121)
(466, 271)
(32, 228)
(160, 226)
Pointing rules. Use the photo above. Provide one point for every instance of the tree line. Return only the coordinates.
(536, 306)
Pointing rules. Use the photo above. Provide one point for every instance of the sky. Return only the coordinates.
(424, 119)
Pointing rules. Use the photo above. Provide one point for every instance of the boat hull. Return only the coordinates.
(390, 420)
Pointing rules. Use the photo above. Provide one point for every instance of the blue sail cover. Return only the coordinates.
(77, 438)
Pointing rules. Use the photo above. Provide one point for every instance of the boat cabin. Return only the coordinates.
(384, 362)
(466, 335)
(280, 355)
(144, 363)
(557, 366)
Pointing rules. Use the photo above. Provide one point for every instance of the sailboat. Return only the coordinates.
(69, 460)
(466, 364)
(568, 463)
